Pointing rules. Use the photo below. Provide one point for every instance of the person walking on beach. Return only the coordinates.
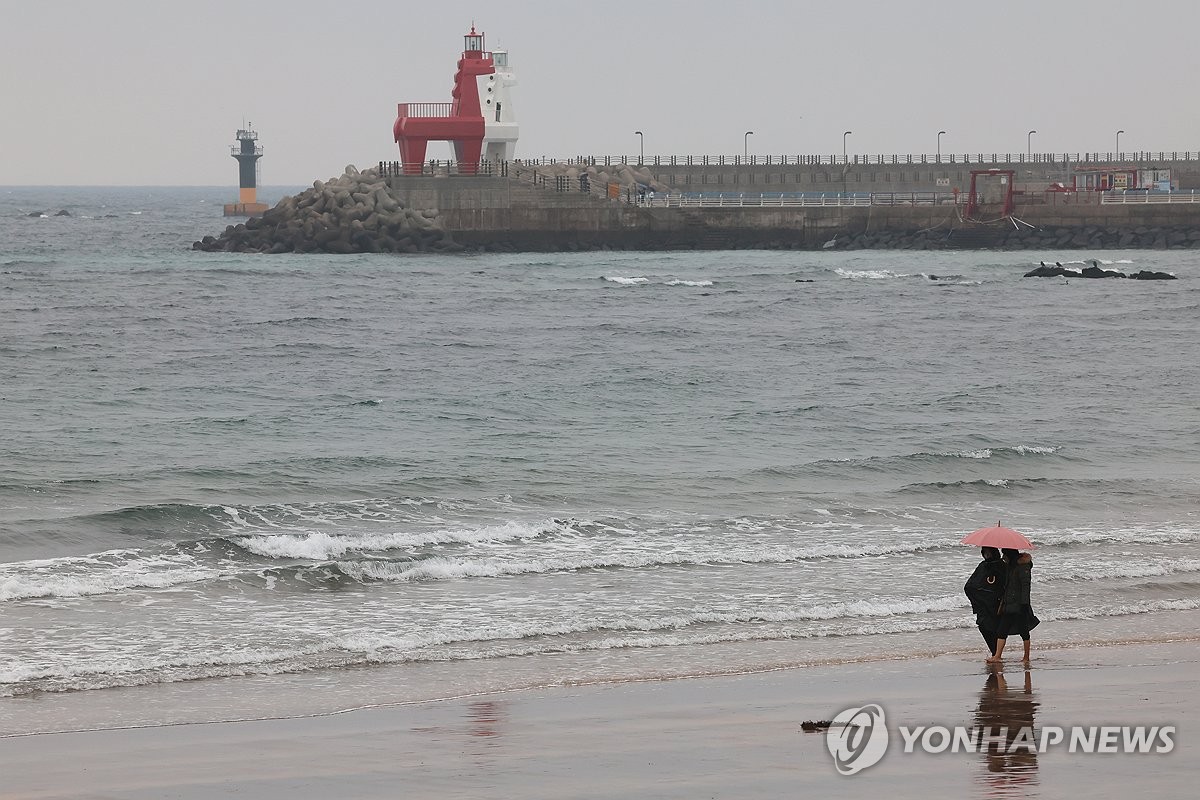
(1016, 612)
(985, 590)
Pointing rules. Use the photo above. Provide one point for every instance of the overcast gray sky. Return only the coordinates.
(152, 91)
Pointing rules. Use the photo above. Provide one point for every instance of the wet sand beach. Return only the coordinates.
(734, 736)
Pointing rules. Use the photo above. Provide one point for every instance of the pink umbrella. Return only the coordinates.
(998, 537)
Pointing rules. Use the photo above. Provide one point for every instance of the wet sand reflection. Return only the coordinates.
(1006, 716)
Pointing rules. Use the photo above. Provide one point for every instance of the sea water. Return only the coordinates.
(403, 477)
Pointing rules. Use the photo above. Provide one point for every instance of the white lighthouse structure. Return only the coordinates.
(499, 116)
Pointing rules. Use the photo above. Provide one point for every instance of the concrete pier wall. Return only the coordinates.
(896, 174)
(507, 214)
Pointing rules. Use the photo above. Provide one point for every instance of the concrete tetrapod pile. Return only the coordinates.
(627, 176)
(353, 213)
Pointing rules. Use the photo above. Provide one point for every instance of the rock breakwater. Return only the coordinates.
(626, 176)
(353, 213)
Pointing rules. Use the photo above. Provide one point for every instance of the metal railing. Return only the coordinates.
(853, 199)
(438, 110)
(788, 199)
(435, 168)
(1140, 197)
(1056, 159)
(450, 167)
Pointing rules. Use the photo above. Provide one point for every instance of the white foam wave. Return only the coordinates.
(988, 452)
(1132, 535)
(625, 281)
(856, 618)
(324, 546)
(984, 453)
(869, 274)
(104, 573)
(678, 282)
(1123, 569)
(452, 568)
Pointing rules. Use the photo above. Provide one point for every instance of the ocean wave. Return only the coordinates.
(639, 280)
(903, 464)
(1133, 535)
(870, 274)
(323, 546)
(1122, 569)
(277, 557)
(304, 322)
(365, 648)
(446, 568)
(102, 573)
(19, 264)
(362, 648)
(178, 520)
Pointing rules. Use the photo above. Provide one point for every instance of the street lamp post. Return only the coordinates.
(746, 145)
(1118, 150)
(641, 147)
(1029, 145)
(939, 152)
(844, 135)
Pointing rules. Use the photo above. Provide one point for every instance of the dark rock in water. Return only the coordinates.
(1052, 272)
(36, 214)
(804, 280)
(814, 726)
(1097, 272)
(63, 213)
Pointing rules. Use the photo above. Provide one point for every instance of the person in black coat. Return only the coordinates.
(985, 589)
(1016, 612)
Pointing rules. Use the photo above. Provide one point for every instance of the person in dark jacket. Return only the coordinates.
(985, 590)
(1016, 613)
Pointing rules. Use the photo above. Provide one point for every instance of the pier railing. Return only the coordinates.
(855, 199)
(788, 200)
(1139, 197)
(785, 160)
(1057, 160)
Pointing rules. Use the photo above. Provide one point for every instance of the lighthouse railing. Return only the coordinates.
(436, 110)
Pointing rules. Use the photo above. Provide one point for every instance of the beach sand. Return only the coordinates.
(728, 736)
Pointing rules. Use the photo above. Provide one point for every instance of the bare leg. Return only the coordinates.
(999, 651)
(1026, 658)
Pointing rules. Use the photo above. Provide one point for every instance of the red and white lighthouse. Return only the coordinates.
(460, 121)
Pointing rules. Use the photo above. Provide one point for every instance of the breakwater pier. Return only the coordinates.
(610, 203)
